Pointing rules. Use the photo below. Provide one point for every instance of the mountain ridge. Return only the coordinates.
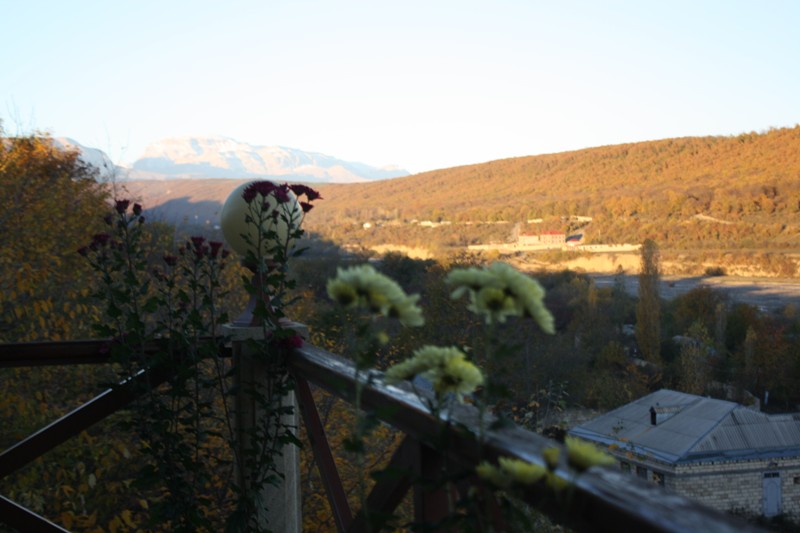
(224, 157)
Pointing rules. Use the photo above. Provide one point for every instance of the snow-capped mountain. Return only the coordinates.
(222, 157)
(91, 156)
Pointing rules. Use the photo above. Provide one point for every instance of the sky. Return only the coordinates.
(419, 84)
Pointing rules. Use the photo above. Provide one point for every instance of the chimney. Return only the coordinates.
(653, 415)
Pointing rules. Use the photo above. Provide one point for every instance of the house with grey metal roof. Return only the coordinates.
(724, 454)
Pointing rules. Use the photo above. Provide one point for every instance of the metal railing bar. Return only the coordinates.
(23, 519)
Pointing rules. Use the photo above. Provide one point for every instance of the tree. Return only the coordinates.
(648, 309)
(694, 367)
(699, 305)
(50, 204)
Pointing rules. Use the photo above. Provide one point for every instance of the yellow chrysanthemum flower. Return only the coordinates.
(447, 368)
(342, 293)
(522, 472)
(551, 456)
(556, 483)
(458, 376)
(528, 293)
(363, 286)
(583, 455)
(501, 291)
(406, 311)
(493, 475)
(494, 304)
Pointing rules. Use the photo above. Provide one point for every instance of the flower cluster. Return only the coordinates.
(202, 248)
(518, 473)
(510, 472)
(582, 455)
(119, 219)
(500, 291)
(447, 368)
(282, 193)
(265, 189)
(121, 207)
(363, 286)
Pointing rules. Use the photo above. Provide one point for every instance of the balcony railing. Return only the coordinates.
(601, 500)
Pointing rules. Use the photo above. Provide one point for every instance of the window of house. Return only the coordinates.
(658, 478)
(641, 472)
(625, 467)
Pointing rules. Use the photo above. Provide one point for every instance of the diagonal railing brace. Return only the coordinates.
(71, 424)
(322, 455)
(22, 519)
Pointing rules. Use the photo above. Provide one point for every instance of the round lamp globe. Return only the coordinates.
(233, 220)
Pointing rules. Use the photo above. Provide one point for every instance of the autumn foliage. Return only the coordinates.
(708, 193)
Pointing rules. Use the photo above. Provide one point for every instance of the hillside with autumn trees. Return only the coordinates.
(739, 192)
(717, 200)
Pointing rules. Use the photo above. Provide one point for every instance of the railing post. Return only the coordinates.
(431, 504)
(278, 508)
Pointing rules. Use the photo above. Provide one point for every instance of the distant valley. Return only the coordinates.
(728, 202)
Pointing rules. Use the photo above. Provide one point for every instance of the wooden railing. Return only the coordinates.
(601, 500)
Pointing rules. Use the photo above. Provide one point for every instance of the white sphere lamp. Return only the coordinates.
(234, 215)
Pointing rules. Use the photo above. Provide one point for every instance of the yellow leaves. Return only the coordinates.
(66, 519)
(90, 521)
(125, 521)
(39, 268)
(127, 518)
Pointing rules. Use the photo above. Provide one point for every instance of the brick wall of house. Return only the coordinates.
(726, 485)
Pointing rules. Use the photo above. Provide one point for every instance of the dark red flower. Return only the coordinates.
(137, 209)
(295, 341)
(215, 247)
(141, 220)
(306, 207)
(198, 246)
(122, 206)
(171, 260)
(310, 193)
(101, 239)
(263, 187)
(249, 195)
(281, 194)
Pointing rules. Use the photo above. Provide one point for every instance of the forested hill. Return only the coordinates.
(694, 190)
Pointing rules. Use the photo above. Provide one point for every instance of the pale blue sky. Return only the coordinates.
(421, 84)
